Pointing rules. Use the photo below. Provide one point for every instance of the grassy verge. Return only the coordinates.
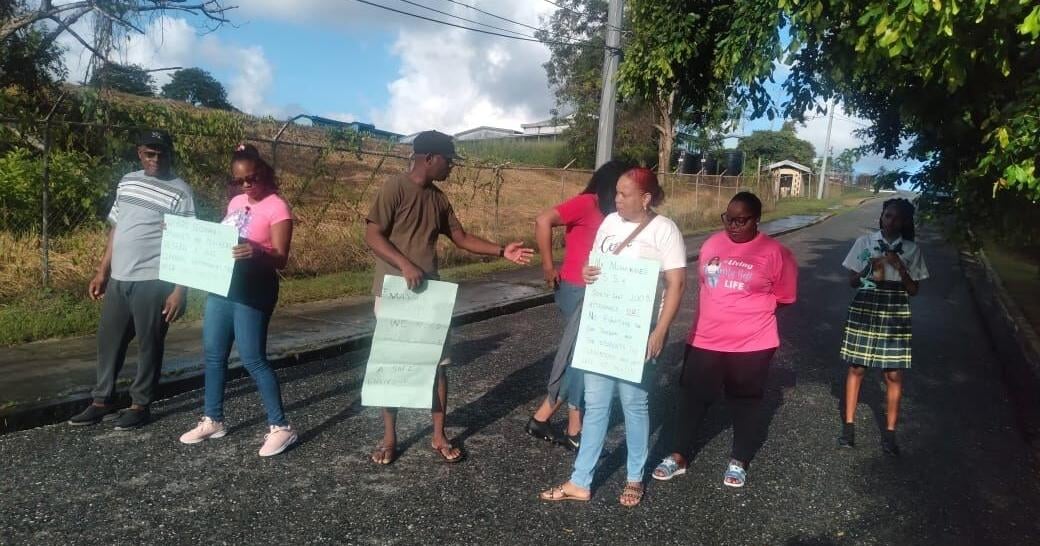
(44, 315)
(1020, 274)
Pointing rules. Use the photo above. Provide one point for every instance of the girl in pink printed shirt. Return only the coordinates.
(745, 275)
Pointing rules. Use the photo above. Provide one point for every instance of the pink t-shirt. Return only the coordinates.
(582, 217)
(740, 286)
(254, 220)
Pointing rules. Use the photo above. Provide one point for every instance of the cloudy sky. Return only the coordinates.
(347, 60)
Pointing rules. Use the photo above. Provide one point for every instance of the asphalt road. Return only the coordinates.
(964, 477)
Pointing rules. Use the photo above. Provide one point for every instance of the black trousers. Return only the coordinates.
(131, 309)
(708, 374)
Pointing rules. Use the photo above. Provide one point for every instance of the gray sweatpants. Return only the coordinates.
(131, 309)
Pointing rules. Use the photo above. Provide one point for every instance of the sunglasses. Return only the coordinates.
(252, 179)
(738, 221)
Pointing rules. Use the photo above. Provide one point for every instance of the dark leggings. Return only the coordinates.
(705, 375)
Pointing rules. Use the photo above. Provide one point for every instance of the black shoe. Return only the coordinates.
(847, 438)
(572, 443)
(541, 430)
(92, 415)
(133, 418)
(888, 443)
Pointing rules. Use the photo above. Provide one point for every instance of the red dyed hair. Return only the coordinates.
(646, 181)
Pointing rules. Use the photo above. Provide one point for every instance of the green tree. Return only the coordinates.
(575, 72)
(197, 87)
(777, 146)
(700, 63)
(953, 84)
(129, 78)
(27, 61)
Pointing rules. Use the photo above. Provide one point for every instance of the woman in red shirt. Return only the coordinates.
(581, 215)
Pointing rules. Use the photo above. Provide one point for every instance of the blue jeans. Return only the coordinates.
(599, 393)
(568, 295)
(228, 322)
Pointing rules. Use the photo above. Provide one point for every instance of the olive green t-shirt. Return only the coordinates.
(412, 217)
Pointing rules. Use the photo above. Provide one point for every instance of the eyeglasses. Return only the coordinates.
(252, 179)
(738, 221)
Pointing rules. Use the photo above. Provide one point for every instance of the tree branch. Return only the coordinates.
(115, 19)
(45, 11)
(82, 41)
(67, 22)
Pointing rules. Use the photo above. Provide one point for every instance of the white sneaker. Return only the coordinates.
(207, 429)
(278, 440)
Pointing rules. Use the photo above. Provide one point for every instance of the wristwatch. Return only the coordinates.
(501, 252)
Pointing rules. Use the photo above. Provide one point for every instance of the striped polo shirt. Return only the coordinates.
(136, 217)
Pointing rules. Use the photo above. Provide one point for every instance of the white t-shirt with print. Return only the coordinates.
(660, 241)
(872, 245)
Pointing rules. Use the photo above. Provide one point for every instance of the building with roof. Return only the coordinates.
(485, 132)
(363, 129)
(790, 179)
(547, 128)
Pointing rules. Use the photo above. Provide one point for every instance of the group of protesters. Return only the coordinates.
(743, 277)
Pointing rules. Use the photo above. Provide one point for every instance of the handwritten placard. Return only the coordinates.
(197, 253)
(616, 316)
(407, 344)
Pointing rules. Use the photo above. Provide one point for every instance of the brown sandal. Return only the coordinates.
(557, 493)
(384, 455)
(631, 495)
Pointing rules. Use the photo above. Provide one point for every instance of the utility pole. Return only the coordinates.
(826, 151)
(608, 99)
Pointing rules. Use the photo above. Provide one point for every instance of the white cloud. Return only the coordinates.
(844, 137)
(449, 79)
(172, 41)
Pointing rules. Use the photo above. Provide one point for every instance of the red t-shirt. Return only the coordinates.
(740, 286)
(582, 217)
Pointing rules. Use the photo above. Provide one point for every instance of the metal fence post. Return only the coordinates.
(45, 197)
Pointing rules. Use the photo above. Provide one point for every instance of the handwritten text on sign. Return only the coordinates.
(197, 253)
(615, 318)
(406, 347)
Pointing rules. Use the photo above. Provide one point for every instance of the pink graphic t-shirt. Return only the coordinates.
(254, 220)
(582, 217)
(740, 287)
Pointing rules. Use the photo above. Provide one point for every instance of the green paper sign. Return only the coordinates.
(411, 328)
(197, 253)
(616, 316)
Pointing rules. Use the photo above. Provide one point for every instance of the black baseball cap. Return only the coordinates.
(434, 142)
(155, 138)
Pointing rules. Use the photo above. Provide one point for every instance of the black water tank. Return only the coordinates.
(734, 162)
(711, 165)
(689, 163)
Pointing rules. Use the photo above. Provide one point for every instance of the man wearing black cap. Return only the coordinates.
(136, 303)
(407, 217)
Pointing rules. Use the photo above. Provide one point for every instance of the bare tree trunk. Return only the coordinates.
(666, 131)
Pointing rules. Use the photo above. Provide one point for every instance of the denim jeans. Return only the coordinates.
(599, 393)
(568, 295)
(228, 322)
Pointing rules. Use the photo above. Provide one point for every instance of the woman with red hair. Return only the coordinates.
(634, 231)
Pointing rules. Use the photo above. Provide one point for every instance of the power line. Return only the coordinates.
(464, 19)
(563, 7)
(474, 8)
(482, 31)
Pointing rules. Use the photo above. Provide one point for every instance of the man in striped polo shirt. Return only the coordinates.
(136, 303)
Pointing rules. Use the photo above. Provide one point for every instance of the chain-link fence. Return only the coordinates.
(52, 230)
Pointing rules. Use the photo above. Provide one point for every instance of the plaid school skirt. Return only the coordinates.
(877, 331)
